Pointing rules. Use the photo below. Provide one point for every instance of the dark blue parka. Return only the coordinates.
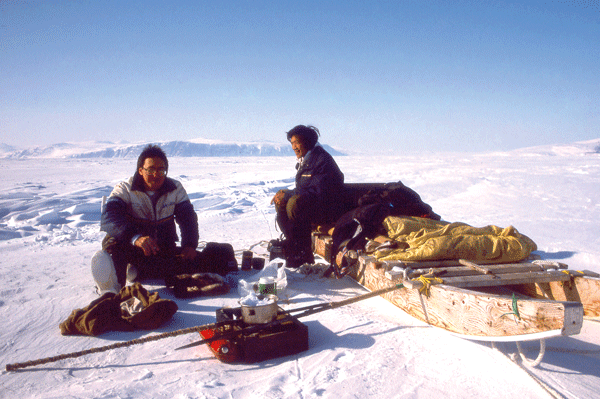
(319, 176)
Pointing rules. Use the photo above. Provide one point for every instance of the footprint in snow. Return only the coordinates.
(147, 375)
(345, 357)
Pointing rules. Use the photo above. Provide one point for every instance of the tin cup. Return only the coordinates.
(267, 286)
(258, 263)
(246, 260)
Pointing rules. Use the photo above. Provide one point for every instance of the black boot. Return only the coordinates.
(296, 255)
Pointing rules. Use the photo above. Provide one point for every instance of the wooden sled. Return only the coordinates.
(530, 300)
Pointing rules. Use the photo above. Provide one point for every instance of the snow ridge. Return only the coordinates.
(190, 148)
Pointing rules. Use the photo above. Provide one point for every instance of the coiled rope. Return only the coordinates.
(426, 280)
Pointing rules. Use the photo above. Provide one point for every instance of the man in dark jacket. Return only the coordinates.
(139, 218)
(314, 200)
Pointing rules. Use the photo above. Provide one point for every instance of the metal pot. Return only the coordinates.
(260, 314)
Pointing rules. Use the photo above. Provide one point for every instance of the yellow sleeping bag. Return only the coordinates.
(426, 239)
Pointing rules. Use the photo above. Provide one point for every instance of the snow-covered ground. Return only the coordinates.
(49, 229)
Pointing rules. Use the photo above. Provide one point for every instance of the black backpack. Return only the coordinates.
(218, 258)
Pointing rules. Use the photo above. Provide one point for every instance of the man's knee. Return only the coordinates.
(301, 207)
(122, 254)
(122, 249)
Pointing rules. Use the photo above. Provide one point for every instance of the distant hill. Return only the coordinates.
(191, 148)
(576, 148)
(6, 148)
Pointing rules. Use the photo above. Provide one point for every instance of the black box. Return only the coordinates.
(287, 338)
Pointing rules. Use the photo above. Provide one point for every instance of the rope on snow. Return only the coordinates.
(551, 391)
(15, 366)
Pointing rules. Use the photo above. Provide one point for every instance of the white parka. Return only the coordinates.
(129, 212)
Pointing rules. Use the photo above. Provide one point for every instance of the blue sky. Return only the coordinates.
(384, 75)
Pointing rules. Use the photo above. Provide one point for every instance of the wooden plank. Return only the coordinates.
(457, 263)
(447, 266)
(446, 273)
(487, 280)
(582, 289)
(471, 313)
(466, 271)
(475, 266)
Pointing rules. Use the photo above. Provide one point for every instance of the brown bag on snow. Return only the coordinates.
(133, 308)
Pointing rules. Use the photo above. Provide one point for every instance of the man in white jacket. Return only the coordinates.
(139, 219)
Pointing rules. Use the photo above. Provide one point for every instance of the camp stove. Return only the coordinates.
(276, 339)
